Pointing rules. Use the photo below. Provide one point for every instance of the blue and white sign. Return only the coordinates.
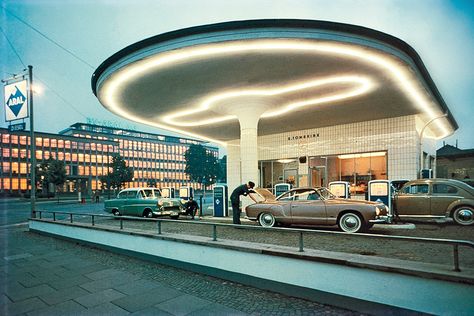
(16, 101)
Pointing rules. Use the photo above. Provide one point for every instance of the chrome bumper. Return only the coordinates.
(382, 220)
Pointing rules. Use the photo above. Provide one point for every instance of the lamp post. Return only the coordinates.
(422, 162)
(32, 144)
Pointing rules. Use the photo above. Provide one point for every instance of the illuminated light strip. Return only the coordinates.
(364, 155)
(111, 86)
(365, 84)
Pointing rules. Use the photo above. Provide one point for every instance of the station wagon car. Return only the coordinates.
(436, 198)
(146, 202)
(315, 206)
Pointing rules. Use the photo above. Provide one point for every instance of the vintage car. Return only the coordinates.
(146, 202)
(436, 198)
(315, 206)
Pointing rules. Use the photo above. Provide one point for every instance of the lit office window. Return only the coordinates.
(23, 184)
(60, 143)
(22, 140)
(54, 143)
(45, 155)
(6, 138)
(15, 183)
(23, 168)
(6, 167)
(46, 142)
(14, 139)
(39, 154)
(67, 144)
(14, 152)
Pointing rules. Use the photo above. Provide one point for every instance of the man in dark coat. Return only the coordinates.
(191, 207)
(244, 190)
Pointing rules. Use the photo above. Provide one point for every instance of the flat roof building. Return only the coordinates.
(87, 149)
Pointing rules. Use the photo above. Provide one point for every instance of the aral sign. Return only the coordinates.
(16, 101)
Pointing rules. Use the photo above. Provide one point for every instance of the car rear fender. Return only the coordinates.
(455, 204)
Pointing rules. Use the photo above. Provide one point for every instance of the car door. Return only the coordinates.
(135, 203)
(307, 208)
(414, 200)
(442, 196)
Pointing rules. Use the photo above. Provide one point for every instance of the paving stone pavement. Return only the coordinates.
(41, 275)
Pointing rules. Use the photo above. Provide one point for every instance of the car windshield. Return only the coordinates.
(325, 194)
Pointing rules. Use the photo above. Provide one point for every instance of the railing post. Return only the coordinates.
(456, 258)
(54, 216)
(214, 233)
(70, 217)
(121, 223)
(92, 218)
(301, 242)
(40, 214)
(159, 227)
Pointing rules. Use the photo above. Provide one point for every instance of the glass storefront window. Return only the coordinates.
(357, 169)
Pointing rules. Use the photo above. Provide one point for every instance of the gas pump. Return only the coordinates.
(185, 193)
(281, 188)
(381, 191)
(221, 198)
(341, 189)
(167, 192)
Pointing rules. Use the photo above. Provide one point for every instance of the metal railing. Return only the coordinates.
(453, 242)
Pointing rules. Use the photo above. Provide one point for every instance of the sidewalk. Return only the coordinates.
(46, 276)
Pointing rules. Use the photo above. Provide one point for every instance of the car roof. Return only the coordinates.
(454, 182)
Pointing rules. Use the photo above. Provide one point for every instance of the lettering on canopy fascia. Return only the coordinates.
(305, 136)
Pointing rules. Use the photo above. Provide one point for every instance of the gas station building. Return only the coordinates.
(298, 101)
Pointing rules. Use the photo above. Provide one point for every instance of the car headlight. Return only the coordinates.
(377, 211)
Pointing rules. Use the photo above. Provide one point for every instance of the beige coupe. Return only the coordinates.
(315, 206)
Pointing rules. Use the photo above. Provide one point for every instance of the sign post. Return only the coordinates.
(18, 94)
(32, 144)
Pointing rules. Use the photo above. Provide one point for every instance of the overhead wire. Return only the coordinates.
(42, 81)
(12, 47)
(48, 38)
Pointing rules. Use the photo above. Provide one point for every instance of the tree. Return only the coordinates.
(50, 171)
(119, 175)
(201, 165)
(222, 177)
(56, 174)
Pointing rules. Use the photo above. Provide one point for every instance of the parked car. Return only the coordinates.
(146, 202)
(436, 198)
(315, 206)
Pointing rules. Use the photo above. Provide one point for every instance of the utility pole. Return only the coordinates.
(32, 144)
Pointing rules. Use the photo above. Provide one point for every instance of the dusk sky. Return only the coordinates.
(442, 32)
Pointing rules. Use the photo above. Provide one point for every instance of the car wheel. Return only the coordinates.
(266, 220)
(350, 223)
(116, 212)
(464, 215)
(148, 214)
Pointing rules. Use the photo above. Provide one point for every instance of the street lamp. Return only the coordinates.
(422, 162)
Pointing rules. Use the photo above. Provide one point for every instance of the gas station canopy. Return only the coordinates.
(279, 75)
